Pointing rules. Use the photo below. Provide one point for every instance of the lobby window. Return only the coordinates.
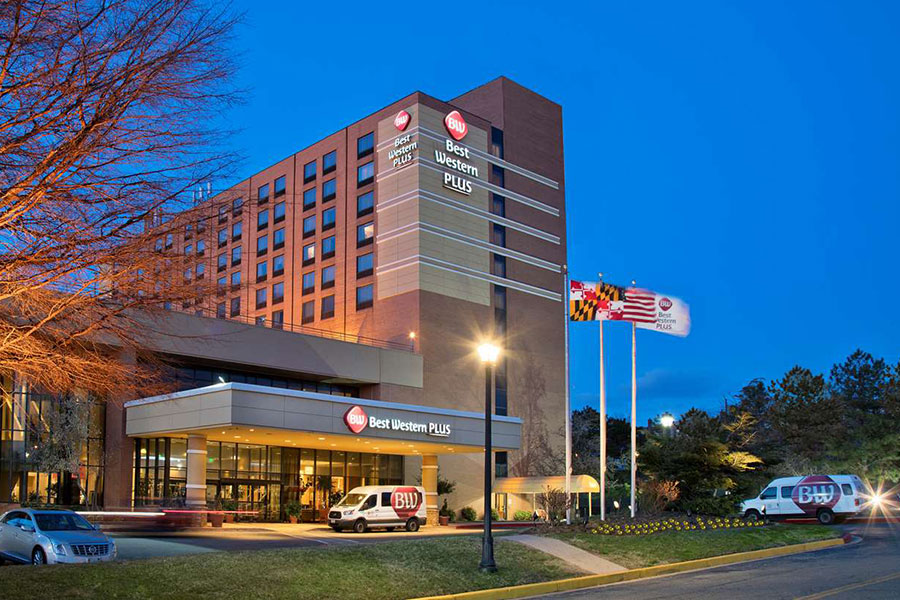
(188, 249)
(364, 265)
(223, 238)
(309, 198)
(235, 280)
(309, 282)
(236, 231)
(201, 270)
(328, 277)
(221, 310)
(278, 266)
(329, 162)
(262, 245)
(309, 226)
(237, 206)
(278, 239)
(309, 171)
(327, 307)
(261, 300)
(278, 213)
(328, 218)
(498, 267)
(278, 293)
(309, 254)
(262, 194)
(235, 256)
(498, 176)
(262, 219)
(364, 296)
(498, 235)
(501, 464)
(365, 204)
(497, 142)
(278, 319)
(223, 214)
(365, 174)
(169, 241)
(279, 187)
(308, 313)
(365, 145)
(201, 247)
(365, 233)
(262, 271)
(329, 190)
(236, 307)
(498, 205)
(328, 247)
(222, 262)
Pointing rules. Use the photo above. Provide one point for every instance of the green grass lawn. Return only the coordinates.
(674, 546)
(388, 570)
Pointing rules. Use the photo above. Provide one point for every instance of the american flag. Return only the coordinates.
(639, 306)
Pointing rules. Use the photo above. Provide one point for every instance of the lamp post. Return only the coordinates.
(488, 353)
(667, 420)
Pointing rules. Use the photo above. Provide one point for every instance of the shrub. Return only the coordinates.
(522, 515)
(553, 501)
(467, 514)
(293, 509)
(708, 505)
(658, 494)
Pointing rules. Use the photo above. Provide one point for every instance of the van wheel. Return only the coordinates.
(359, 526)
(38, 557)
(752, 515)
(825, 516)
(412, 525)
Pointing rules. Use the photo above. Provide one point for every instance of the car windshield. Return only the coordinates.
(351, 500)
(61, 522)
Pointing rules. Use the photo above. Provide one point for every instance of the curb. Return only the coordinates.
(587, 581)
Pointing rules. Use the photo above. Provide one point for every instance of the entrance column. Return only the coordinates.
(429, 482)
(196, 471)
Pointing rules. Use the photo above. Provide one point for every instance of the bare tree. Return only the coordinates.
(106, 109)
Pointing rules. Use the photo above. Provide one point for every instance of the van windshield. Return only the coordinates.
(351, 500)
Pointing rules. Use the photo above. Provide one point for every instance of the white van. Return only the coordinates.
(387, 506)
(821, 496)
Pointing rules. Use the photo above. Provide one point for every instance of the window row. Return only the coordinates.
(329, 164)
(329, 192)
(262, 192)
(308, 310)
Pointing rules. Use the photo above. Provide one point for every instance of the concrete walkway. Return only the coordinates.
(581, 559)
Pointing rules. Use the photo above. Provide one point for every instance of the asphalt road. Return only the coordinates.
(870, 569)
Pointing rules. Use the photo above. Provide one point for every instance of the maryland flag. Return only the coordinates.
(589, 301)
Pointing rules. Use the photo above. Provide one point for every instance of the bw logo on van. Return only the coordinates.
(356, 419)
(815, 492)
(406, 501)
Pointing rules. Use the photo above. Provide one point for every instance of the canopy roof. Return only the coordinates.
(540, 485)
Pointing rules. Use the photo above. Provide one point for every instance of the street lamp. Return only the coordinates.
(488, 354)
(667, 420)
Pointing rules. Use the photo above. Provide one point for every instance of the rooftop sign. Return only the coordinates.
(456, 125)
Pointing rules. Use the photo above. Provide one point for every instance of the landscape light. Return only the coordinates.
(667, 420)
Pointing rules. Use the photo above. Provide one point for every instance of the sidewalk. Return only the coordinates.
(581, 559)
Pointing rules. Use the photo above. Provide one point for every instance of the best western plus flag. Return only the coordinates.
(589, 301)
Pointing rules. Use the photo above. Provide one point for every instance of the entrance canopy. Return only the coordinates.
(540, 485)
(254, 414)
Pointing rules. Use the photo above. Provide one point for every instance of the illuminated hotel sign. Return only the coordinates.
(357, 420)
(456, 125)
(403, 151)
(401, 121)
(457, 128)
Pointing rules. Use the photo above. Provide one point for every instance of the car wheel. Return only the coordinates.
(412, 525)
(38, 557)
(752, 515)
(825, 516)
(359, 526)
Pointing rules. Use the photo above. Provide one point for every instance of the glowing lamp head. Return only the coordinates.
(667, 421)
(488, 353)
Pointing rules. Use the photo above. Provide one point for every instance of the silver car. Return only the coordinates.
(52, 536)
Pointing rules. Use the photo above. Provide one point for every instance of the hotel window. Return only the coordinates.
(309, 254)
(235, 256)
(364, 265)
(236, 232)
(278, 319)
(201, 270)
(328, 218)
(262, 245)
(365, 233)
(328, 247)
(278, 213)
(497, 142)
(309, 282)
(168, 241)
(365, 174)
(309, 172)
(498, 176)
(223, 214)
(188, 274)
(498, 205)
(363, 296)
(498, 235)
(365, 145)
(223, 238)
(309, 198)
(261, 271)
(327, 307)
(262, 194)
(328, 277)
(279, 187)
(278, 293)
(261, 298)
(221, 286)
(220, 310)
(262, 219)
(201, 247)
(329, 190)
(308, 312)
(499, 266)
(236, 307)
(501, 466)
(261, 320)
(365, 204)
(309, 226)
(188, 249)
(499, 297)
(278, 266)
(188, 231)
(237, 206)
(201, 225)
(235, 280)
(329, 162)
(278, 239)
(159, 245)
(222, 262)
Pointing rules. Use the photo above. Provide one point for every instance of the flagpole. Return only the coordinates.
(602, 421)
(568, 415)
(633, 416)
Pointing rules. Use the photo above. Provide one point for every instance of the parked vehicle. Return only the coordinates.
(824, 497)
(384, 506)
(52, 536)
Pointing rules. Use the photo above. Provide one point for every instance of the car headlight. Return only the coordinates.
(60, 549)
(347, 513)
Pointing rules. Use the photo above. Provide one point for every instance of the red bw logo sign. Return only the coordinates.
(665, 303)
(402, 120)
(406, 501)
(356, 419)
(456, 125)
(815, 492)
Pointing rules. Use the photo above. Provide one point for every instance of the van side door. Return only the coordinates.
(786, 503)
(387, 510)
(769, 499)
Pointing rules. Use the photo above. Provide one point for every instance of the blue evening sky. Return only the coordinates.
(744, 156)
